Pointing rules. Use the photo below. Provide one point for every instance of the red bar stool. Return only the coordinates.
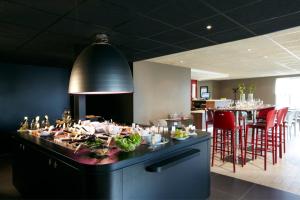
(266, 132)
(280, 129)
(224, 134)
(209, 118)
(262, 114)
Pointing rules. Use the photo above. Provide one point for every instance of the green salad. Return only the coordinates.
(180, 134)
(94, 144)
(128, 143)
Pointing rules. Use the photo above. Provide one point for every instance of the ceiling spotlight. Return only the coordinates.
(208, 27)
(181, 61)
(249, 50)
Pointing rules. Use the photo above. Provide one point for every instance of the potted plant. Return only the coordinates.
(251, 90)
(242, 91)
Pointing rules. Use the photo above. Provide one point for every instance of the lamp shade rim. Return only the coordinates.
(102, 92)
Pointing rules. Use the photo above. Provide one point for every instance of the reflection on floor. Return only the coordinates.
(285, 175)
(222, 187)
(7, 190)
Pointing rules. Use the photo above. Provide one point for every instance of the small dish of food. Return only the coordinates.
(180, 135)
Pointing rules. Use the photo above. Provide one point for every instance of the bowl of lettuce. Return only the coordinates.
(128, 143)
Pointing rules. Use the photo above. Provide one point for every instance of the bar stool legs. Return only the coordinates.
(261, 143)
(225, 142)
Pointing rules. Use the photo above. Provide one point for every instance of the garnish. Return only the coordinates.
(94, 144)
(128, 143)
(180, 134)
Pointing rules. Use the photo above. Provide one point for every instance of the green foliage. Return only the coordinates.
(251, 88)
(135, 138)
(242, 88)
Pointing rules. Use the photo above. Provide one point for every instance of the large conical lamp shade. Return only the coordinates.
(100, 69)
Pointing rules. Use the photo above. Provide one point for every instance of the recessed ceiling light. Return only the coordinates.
(208, 27)
(266, 57)
(181, 61)
(249, 50)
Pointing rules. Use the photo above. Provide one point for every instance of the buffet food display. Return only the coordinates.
(98, 137)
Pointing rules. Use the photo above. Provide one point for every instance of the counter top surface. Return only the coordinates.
(235, 108)
(116, 159)
(198, 111)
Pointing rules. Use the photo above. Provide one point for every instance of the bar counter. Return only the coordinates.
(176, 170)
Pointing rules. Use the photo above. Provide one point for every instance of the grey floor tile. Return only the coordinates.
(229, 185)
(259, 192)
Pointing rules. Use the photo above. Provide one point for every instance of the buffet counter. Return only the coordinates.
(175, 170)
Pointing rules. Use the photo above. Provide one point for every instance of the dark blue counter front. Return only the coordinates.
(176, 170)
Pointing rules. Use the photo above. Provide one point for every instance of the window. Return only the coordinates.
(287, 92)
(194, 84)
(194, 89)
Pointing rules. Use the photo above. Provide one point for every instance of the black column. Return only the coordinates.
(79, 106)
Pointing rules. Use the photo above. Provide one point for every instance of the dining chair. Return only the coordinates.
(162, 123)
(263, 133)
(209, 118)
(297, 119)
(224, 136)
(290, 122)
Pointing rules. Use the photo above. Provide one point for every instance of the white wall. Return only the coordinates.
(159, 90)
(265, 87)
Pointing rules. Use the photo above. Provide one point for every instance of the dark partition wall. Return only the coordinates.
(30, 90)
(118, 107)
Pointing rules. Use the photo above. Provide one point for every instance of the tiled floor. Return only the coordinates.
(285, 175)
(228, 188)
(222, 187)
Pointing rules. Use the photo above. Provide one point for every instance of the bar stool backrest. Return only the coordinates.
(262, 114)
(270, 120)
(285, 114)
(281, 114)
(224, 120)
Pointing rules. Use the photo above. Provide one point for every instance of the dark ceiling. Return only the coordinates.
(53, 32)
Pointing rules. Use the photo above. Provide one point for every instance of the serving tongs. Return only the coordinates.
(78, 147)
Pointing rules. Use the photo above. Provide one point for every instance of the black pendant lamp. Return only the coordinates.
(101, 69)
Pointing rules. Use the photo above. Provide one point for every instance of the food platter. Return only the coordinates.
(180, 135)
(191, 134)
(163, 141)
(180, 138)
